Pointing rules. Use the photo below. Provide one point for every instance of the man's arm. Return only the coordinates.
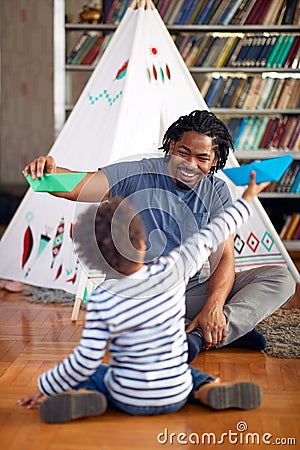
(211, 319)
(94, 187)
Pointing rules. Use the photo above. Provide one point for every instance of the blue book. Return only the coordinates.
(187, 11)
(201, 18)
(295, 189)
(213, 89)
(240, 131)
(266, 170)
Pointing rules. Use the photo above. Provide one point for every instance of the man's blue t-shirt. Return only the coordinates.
(170, 214)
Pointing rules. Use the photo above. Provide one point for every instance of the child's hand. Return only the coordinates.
(31, 400)
(253, 189)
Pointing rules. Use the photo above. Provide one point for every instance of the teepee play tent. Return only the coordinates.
(140, 86)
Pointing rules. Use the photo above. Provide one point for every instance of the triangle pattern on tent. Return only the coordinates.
(140, 86)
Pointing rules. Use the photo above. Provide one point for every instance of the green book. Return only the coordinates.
(276, 49)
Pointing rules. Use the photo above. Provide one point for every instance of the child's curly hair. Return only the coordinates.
(118, 231)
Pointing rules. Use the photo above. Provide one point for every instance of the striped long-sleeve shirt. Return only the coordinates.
(142, 317)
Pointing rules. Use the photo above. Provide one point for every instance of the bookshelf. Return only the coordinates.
(263, 77)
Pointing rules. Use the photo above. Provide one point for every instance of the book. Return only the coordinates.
(295, 219)
(212, 91)
(187, 11)
(172, 17)
(288, 90)
(83, 51)
(292, 55)
(266, 170)
(120, 11)
(289, 12)
(110, 13)
(239, 132)
(275, 50)
(163, 8)
(230, 14)
(244, 92)
(285, 226)
(253, 97)
(93, 52)
(234, 125)
(56, 182)
(265, 93)
(241, 12)
(272, 15)
(267, 50)
(295, 188)
(285, 184)
(262, 12)
(219, 9)
(207, 7)
(243, 142)
(272, 93)
(296, 235)
(241, 82)
(196, 12)
(226, 52)
(260, 132)
(274, 144)
(289, 129)
(230, 95)
(170, 9)
(277, 94)
(205, 49)
(218, 101)
(275, 122)
(254, 13)
(283, 50)
(295, 135)
(79, 44)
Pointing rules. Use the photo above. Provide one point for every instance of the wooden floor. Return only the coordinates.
(35, 336)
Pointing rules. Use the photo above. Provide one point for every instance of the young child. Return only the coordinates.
(140, 313)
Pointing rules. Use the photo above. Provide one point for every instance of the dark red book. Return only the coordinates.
(90, 57)
(255, 12)
(292, 53)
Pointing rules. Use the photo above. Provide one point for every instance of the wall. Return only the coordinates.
(26, 102)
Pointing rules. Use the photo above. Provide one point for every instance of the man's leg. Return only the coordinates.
(256, 294)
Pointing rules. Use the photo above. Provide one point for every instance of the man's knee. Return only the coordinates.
(284, 283)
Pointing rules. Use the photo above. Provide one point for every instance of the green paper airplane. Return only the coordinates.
(56, 182)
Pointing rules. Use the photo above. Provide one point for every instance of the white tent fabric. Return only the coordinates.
(140, 86)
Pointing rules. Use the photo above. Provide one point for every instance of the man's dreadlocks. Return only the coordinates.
(203, 122)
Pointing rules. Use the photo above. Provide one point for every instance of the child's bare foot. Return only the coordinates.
(244, 395)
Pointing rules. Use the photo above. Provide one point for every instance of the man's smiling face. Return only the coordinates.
(192, 157)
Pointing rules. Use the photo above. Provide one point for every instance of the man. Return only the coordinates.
(174, 195)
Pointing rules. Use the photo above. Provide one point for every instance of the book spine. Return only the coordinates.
(289, 12)
(295, 135)
(77, 47)
(111, 11)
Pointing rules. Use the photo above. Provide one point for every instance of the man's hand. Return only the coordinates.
(31, 400)
(39, 166)
(212, 323)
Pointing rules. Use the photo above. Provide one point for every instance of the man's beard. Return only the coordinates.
(183, 186)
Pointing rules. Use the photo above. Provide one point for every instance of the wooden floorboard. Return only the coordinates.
(35, 336)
